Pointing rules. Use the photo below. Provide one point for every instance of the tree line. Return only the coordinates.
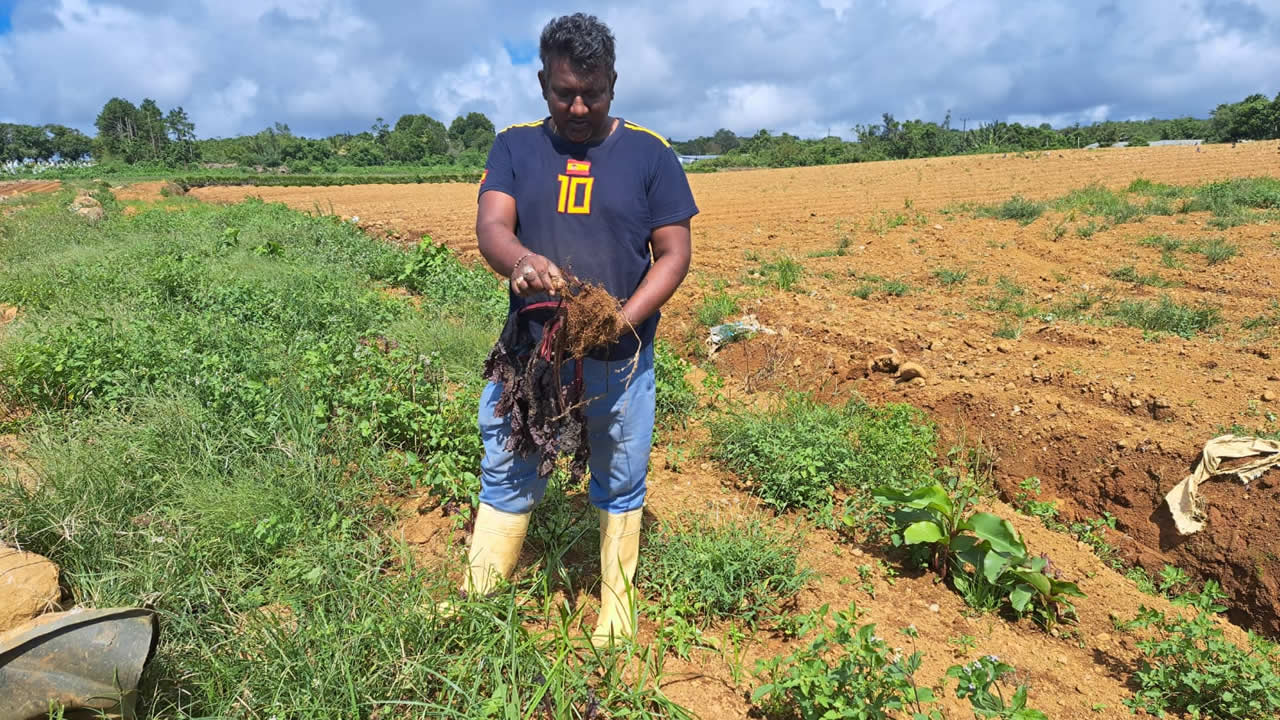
(144, 134)
(1254, 118)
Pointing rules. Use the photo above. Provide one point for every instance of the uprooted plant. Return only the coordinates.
(978, 552)
(544, 403)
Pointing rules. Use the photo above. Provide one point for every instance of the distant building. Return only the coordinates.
(1153, 143)
(686, 159)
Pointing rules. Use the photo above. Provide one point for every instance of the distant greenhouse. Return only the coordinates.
(1153, 143)
(687, 159)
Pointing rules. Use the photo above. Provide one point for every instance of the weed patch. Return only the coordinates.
(1164, 316)
(716, 307)
(950, 277)
(1100, 202)
(1130, 274)
(797, 455)
(703, 569)
(1015, 208)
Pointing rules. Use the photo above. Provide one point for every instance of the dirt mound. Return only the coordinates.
(28, 586)
(148, 191)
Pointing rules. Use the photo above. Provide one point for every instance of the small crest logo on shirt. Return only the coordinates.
(581, 168)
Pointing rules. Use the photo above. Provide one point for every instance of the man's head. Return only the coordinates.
(577, 75)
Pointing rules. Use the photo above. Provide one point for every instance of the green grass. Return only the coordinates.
(950, 277)
(1008, 330)
(704, 569)
(783, 272)
(1088, 230)
(1015, 208)
(220, 433)
(798, 454)
(1215, 250)
(1009, 298)
(1130, 274)
(1164, 242)
(1100, 202)
(716, 307)
(895, 287)
(1165, 316)
(1238, 201)
(1268, 320)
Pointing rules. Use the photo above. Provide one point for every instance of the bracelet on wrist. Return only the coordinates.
(516, 267)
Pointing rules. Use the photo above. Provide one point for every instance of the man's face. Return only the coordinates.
(578, 102)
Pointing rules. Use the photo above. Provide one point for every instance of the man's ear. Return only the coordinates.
(613, 80)
(542, 80)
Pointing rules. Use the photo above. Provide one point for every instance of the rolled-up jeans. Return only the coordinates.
(619, 414)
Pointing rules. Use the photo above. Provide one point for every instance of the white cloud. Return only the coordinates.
(802, 66)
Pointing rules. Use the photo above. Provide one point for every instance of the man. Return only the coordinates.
(609, 201)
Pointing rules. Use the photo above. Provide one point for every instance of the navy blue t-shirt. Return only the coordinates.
(591, 208)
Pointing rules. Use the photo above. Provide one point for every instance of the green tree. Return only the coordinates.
(182, 133)
(151, 131)
(472, 130)
(68, 143)
(117, 126)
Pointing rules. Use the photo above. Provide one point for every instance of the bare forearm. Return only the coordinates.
(658, 286)
(500, 247)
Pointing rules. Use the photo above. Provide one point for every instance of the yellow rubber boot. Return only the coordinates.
(495, 548)
(619, 552)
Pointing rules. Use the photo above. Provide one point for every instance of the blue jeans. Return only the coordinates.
(620, 426)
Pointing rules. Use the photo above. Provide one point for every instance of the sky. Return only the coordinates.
(809, 67)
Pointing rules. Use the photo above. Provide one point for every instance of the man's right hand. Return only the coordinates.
(534, 275)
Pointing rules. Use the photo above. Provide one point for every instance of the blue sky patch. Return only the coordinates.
(6, 9)
(521, 53)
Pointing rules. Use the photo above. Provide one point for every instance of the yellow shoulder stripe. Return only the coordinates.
(633, 126)
(535, 123)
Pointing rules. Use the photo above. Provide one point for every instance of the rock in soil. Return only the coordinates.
(28, 586)
(910, 371)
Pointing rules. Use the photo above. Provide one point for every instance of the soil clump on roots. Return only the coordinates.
(542, 400)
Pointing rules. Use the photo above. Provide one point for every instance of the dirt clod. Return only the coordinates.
(910, 371)
(1268, 396)
(28, 586)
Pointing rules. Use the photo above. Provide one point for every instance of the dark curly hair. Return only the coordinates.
(581, 39)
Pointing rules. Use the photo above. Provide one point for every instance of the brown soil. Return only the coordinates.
(145, 191)
(1108, 420)
(28, 187)
(592, 319)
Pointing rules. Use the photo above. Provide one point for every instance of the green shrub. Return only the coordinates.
(1187, 666)
(845, 671)
(676, 397)
(979, 553)
(702, 569)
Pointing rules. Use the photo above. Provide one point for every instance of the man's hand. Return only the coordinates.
(535, 274)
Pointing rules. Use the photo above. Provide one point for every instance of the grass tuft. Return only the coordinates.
(1015, 208)
(1165, 316)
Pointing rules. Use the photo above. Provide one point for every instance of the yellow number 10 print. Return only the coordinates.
(575, 195)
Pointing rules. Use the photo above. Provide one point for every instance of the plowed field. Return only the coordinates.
(1108, 417)
(25, 187)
